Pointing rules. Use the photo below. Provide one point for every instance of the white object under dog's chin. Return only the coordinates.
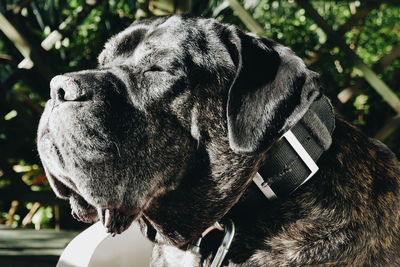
(94, 247)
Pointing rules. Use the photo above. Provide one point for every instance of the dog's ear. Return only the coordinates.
(271, 91)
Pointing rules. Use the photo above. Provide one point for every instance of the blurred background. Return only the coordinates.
(354, 45)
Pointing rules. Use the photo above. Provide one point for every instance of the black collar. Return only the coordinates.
(293, 159)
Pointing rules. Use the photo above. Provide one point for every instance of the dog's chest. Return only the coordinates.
(165, 255)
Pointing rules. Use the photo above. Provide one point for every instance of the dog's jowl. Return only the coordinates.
(174, 124)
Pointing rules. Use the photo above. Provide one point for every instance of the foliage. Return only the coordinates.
(84, 26)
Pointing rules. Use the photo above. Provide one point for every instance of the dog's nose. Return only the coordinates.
(64, 88)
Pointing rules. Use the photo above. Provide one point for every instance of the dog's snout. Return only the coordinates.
(64, 88)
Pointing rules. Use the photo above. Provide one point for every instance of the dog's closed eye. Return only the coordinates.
(154, 68)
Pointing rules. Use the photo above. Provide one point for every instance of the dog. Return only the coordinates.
(174, 124)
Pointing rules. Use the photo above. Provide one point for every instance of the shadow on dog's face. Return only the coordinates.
(171, 125)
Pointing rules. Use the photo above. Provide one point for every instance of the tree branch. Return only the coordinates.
(7, 60)
(370, 76)
(357, 18)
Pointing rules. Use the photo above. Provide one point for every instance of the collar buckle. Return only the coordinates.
(302, 153)
(304, 156)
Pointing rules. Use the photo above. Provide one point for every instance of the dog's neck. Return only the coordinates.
(253, 199)
(286, 167)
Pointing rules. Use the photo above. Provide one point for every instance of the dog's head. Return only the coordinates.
(171, 125)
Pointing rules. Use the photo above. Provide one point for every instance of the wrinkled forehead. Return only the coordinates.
(158, 36)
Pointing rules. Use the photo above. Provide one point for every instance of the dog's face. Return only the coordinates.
(171, 125)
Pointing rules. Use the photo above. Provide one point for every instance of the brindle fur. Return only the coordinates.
(174, 123)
